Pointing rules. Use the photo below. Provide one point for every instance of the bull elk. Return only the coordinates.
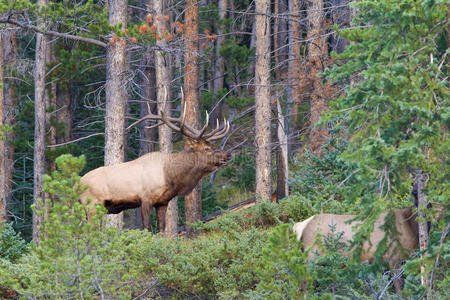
(405, 225)
(154, 178)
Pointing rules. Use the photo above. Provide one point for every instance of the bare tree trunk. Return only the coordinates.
(193, 201)
(282, 157)
(147, 136)
(39, 129)
(280, 33)
(9, 106)
(317, 60)
(262, 99)
(64, 111)
(116, 97)
(294, 80)
(279, 39)
(3, 179)
(50, 100)
(220, 63)
(219, 75)
(163, 79)
(422, 206)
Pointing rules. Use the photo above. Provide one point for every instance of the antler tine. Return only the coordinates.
(202, 131)
(213, 132)
(169, 122)
(150, 116)
(222, 133)
(183, 108)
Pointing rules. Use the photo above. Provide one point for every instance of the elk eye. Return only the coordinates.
(208, 149)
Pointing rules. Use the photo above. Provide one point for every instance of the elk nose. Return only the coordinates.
(228, 156)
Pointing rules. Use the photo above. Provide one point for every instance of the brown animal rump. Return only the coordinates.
(404, 222)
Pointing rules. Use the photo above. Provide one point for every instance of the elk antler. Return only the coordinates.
(184, 128)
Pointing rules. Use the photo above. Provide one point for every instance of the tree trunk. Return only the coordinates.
(3, 179)
(282, 157)
(193, 201)
(220, 63)
(147, 136)
(64, 111)
(50, 100)
(422, 206)
(219, 75)
(9, 106)
(280, 31)
(294, 80)
(163, 79)
(116, 97)
(262, 99)
(317, 61)
(39, 129)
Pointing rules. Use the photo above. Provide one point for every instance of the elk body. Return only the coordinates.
(405, 225)
(155, 178)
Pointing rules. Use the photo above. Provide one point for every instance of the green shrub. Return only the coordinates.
(321, 180)
(261, 215)
(219, 265)
(12, 245)
(283, 272)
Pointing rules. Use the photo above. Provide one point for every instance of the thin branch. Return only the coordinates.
(74, 141)
(55, 33)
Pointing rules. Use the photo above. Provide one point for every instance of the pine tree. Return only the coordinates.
(397, 115)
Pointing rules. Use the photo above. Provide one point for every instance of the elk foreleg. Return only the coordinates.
(146, 210)
(161, 216)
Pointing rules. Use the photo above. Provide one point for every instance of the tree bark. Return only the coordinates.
(294, 79)
(147, 136)
(163, 79)
(193, 201)
(64, 111)
(50, 100)
(262, 99)
(116, 97)
(422, 206)
(280, 33)
(282, 157)
(317, 61)
(219, 70)
(220, 63)
(39, 129)
(3, 171)
(9, 106)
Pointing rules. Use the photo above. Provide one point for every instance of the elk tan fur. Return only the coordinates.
(151, 180)
(405, 224)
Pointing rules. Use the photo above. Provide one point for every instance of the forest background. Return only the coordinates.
(334, 106)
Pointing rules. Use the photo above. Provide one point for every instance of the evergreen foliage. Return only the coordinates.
(12, 245)
(320, 180)
(396, 109)
(284, 273)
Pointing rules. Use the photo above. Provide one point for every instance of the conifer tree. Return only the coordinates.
(397, 115)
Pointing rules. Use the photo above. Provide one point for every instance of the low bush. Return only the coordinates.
(283, 272)
(78, 259)
(12, 245)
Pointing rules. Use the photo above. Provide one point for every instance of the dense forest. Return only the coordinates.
(155, 149)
